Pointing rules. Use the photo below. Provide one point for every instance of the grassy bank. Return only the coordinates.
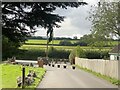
(11, 72)
(112, 80)
(0, 75)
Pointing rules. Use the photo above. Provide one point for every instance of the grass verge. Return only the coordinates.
(0, 75)
(112, 80)
(11, 72)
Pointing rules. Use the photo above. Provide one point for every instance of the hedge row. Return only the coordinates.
(90, 54)
(55, 53)
(32, 54)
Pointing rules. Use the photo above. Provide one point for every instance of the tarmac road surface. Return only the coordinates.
(69, 78)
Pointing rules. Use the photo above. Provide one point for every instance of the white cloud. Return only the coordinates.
(92, 2)
(75, 23)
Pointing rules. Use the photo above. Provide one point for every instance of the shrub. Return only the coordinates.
(105, 54)
(9, 48)
(65, 43)
(80, 52)
(90, 54)
(30, 54)
(72, 56)
(81, 43)
(93, 54)
(54, 53)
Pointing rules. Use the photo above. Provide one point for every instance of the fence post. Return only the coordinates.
(23, 77)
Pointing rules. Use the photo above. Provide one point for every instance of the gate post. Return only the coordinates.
(23, 77)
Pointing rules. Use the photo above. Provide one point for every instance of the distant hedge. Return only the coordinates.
(65, 43)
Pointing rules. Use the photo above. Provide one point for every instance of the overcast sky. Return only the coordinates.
(75, 23)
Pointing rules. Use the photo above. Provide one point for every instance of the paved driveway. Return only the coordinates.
(69, 78)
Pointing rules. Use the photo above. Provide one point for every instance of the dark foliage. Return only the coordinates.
(62, 38)
(45, 38)
(17, 17)
(33, 54)
(30, 54)
(61, 54)
(90, 54)
(97, 54)
(81, 43)
(65, 43)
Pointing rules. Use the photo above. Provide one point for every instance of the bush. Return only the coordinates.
(30, 54)
(77, 52)
(81, 43)
(61, 54)
(9, 48)
(97, 54)
(72, 56)
(90, 54)
(80, 52)
(105, 54)
(65, 43)
(93, 54)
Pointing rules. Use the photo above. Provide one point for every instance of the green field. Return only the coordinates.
(37, 48)
(45, 41)
(41, 44)
(11, 72)
(35, 42)
(41, 47)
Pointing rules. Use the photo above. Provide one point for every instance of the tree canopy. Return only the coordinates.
(19, 16)
(20, 19)
(105, 19)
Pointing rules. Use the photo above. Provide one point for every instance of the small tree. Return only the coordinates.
(80, 52)
(75, 37)
(77, 52)
(105, 19)
(72, 56)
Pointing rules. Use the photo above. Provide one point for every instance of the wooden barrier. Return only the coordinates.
(104, 67)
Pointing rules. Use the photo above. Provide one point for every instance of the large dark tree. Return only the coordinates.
(19, 19)
(16, 17)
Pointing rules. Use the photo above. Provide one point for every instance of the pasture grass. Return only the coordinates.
(112, 80)
(33, 41)
(0, 76)
(45, 41)
(41, 44)
(43, 47)
(37, 48)
(11, 72)
(41, 41)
